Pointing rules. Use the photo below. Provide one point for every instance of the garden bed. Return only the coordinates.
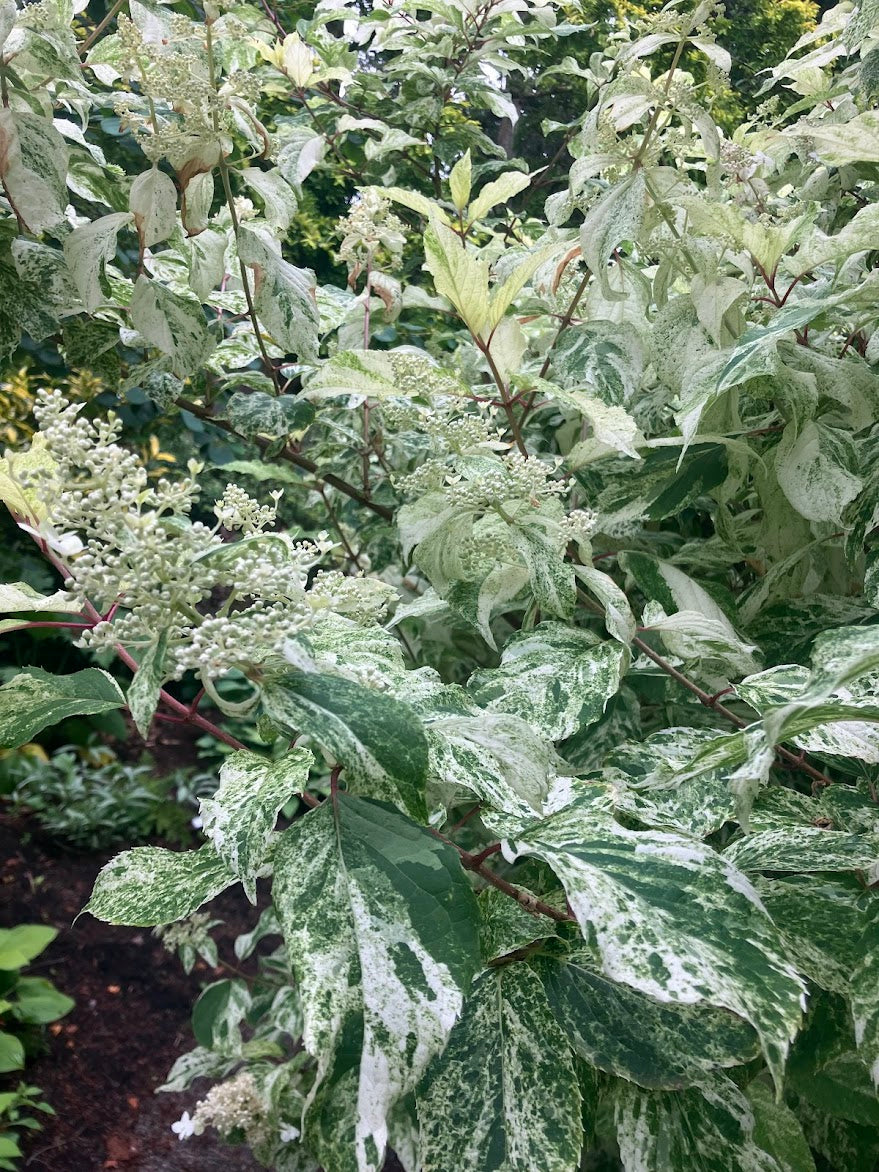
(131, 1020)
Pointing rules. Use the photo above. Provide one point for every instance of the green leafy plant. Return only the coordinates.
(569, 695)
(89, 802)
(26, 1005)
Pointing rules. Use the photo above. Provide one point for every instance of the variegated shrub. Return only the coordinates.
(574, 674)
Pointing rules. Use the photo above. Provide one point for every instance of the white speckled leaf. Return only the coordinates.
(625, 1033)
(671, 918)
(240, 818)
(652, 784)
(175, 325)
(283, 295)
(864, 994)
(557, 678)
(618, 617)
(381, 928)
(503, 1097)
(278, 198)
(150, 885)
(500, 758)
(821, 917)
(20, 597)
(378, 740)
(33, 166)
(88, 250)
(153, 203)
(710, 1129)
(816, 470)
(35, 699)
(614, 218)
(144, 689)
(804, 848)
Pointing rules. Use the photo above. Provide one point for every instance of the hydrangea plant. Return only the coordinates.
(577, 688)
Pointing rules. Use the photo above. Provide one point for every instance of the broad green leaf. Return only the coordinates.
(153, 203)
(672, 919)
(283, 295)
(21, 944)
(378, 740)
(11, 1053)
(817, 470)
(711, 1128)
(460, 181)
(38, 1002)
(499, 190)
(33, 167)
(380, 926)
(559, 678)
(35, 699)
(17, 597)
(503, 1097)
(144, 689)
(615, 218)
(175, 325)
(149, 885)
(625, 1033)
(254, 413)
(413, 200)
(239, 819)
(88, 250)
(505, 292)
(826, 1070)
(459, 274)
(778, 1131)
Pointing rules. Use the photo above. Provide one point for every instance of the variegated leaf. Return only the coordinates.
(500, 758)
(380, 926)
(865, 993)
(20, 597)
(240, 817)
(804, 848)
(144, 690)
(671, 918)
(378, 740)
(558, 678)
(150, 885)
(625, 1033)
(283, 294)
(711, 1128)
(35, 699)
(33, 166)
(503, 1097)
(175, 325)
(777, 1129)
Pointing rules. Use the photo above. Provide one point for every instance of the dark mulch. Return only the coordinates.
(131, 1021)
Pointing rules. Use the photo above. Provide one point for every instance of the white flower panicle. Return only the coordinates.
(134, 548)
(233, 1106)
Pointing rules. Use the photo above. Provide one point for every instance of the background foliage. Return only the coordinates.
(510, 526)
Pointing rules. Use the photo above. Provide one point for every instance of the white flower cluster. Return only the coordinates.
(132, 547)
(488, 482)
(369, 228)
(232, 1106)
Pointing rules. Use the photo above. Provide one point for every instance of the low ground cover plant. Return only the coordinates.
(569, 694)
